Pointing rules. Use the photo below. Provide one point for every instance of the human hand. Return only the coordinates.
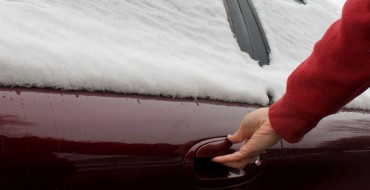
(259, 135)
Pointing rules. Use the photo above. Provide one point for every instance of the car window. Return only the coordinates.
(247, 29)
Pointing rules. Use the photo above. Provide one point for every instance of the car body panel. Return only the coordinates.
(334, 155)
(68, 140)
(65, 139)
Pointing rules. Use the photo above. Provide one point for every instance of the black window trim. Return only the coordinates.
(248, 30)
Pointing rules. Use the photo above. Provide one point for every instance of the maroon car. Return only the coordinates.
(52, 139)
(59, 139)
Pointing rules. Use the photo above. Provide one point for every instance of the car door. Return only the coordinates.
(85, 140)
(334, 155)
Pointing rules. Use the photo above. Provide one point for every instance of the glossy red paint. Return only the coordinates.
(108, 117)
(67, 140)
(53, 139)
(335, 155)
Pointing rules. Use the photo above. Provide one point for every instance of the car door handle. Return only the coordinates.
(200, 171)
(205, 169)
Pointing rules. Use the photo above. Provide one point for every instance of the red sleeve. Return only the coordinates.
(336, 72)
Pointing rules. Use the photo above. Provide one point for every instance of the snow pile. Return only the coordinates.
(175, 48)
(339, 3)
(162, 47)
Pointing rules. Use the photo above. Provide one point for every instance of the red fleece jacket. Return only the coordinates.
(336, 72)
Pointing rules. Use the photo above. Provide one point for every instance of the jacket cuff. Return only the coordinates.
(289, 123)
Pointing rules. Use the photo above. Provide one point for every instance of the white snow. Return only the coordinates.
(339, 3)
(162, 47)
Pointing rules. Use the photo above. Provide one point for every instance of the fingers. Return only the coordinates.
(243, 132)
(235, 160)
(240, 135)
(247, 152)
(237, 137)
(236, 156)
(257, 129)
(261, 140)
(249, 125)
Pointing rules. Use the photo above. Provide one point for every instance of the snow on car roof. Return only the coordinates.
(163, 47)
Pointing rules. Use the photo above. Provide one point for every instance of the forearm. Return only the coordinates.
(337, 71)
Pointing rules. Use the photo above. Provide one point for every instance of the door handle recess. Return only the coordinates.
(200, 171)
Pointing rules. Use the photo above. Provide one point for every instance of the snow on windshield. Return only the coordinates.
(163, 47)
